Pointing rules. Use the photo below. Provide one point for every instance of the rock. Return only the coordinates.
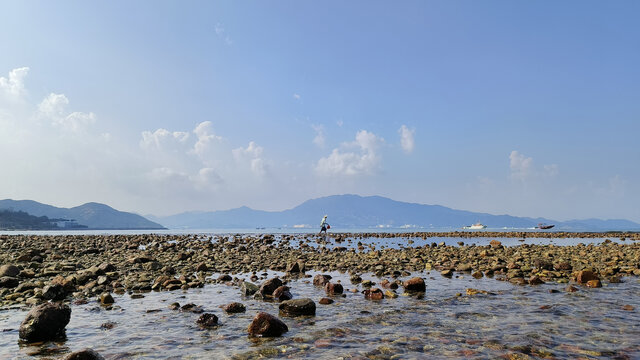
(333, 288)
(224, 277)
(282, 293)
(8, 282)
(86, 354)
(45, 322)
(202, 267)
(388, 284)
(304, 306)
(321, 279)
(174, 306)
(326, 301)
(571, 288)
(477, 274)
(106, 267)
(266, 325)
(268, 287)
(628, 308)
(293, 268)
(415, 284)
(535, 280)
(585, 276)
(234, 307)
(390, 294)
(495, 244)
(9, 270)
(562, 266)
(207, 320)
(106, 299)
(248, 288)
(594, 283)
(53, 292)
(373, 294)
(446, 273)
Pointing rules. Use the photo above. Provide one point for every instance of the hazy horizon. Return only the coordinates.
(526, 109)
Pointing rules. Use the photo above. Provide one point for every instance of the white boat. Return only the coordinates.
(476, 226)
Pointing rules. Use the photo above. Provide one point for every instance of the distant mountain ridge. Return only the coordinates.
(354, 211)
(92, 215)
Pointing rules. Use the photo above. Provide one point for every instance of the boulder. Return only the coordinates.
(321, 279)
(202, 267)
(266, 325)
(495, 244)
(304, 306)
(9, 270)
(106, 299)
(248, 288)
(595, 283)
(268, 287)
(207, 320)
(45, 322)
(373, 294)
(85, 354)
(535, 280)
(8, 282)
(415, 284)
(282, 293)
(234, 307)
(326, 301)
(53, 292)
(333, 288)
(585, 276)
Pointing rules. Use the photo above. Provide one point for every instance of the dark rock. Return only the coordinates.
(106, 299)
(446, 273)
(562, 266)
(326, 301)
(86, 354)
(174, 306)
(45, 322)
(415, 284)
(298, 307)
(535, 280)
(8, 282)
(202, 267)
(224, 277)
(321, 279)
(282, 293)
(53, 292)
(248, 288)
(266, 325)
(333, 288)
(9, 270)
(234, 307)
(571, 288)
(207, 320)
(373, 294)
(594, 283)
(269, 286)
(388, 284)
(585, 276)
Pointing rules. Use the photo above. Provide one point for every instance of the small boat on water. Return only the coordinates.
(476, 226)
(543, 226)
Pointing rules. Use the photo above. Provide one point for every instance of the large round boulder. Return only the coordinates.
(9, 270)
(45, 322)
(266, 325)
(269, 286)
(294, 307)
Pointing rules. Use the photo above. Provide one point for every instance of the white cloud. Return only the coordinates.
(521, 166)
(319, 139)
(206, 139)
(253, 155)
(296, 96)
(162, 139)
(364, 159)
(53, 109)
(406, 139)
(14, 84)
(222, 34)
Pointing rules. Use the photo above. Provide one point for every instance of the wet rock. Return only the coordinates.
(628, 308)
(86, 354)
(415, 284)
(562, 266)
(390, 294)
(174, 306)
(202, 267)
(321, 279)
(234, 307)
(207, 320)
(594, 283)
(326, 301)
(388, 284)
(224, 277)
(9, 270)
(53, 292)
(8, 282)
(266, 325)
(298, 307)
(477, 274)
(535, 280)
(495, 244)
(373, 294)
(295, 267)
(248, 289)
(615, 279)
(584, 276)
(106, 299)
(268, 287)
(191, 307)
(45, 322)
(446, 273)
(571, 288)
(282, 293)
(333, 288)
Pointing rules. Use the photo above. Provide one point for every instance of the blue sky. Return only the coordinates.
(527, 108)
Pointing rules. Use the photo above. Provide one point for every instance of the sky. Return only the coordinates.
(159, 107)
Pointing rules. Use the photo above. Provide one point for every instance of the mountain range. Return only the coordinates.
(92, 215)
(354, 211)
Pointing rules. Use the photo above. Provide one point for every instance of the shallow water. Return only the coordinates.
(590, 323)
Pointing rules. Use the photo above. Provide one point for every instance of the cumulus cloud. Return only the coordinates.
(162, 139)
(406, 139)
(362, 159)
(253, 155)
(523, 169)
(319, 139)
(53, 108)
(14, 84)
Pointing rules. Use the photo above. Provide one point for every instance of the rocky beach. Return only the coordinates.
(350, 295)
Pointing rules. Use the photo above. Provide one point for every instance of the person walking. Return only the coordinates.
(324, 225)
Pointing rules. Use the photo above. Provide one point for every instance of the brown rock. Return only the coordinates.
(333, 288)
(571, 288)
(415, 284)
(326, 301)
(207, 320)
(282, 293)
(298, 307)
(373, 294)
(495, 244)
(234, 307)
(321, 279)
(266, 325)
(86, 354)
(594, 283)
(45, 322)
(535, 280)
(585, 276)
(268, 287)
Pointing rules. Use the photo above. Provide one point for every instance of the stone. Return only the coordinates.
(571, 288)
(535, 280)
(388, 284)
(282, 293)
(303, 306)
(415, 284)
(224, 277)
(8, 282)
(266, 325)
(585, 276)
(495, 244)
(207, 320)
(106, 299)
(234, 307)
(390, 294)
(202, 267)
(321, 279)
(248, 289)
(85, 354)
(268, 287)
(333, 288)
(9, 270)
(326, 301)
(45, 322)
(562, 266)
(446, 273)
(477, 274)
(53, 292)
(594, 283)
(373, 294)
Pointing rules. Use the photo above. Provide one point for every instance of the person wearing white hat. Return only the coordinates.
(324, 225)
